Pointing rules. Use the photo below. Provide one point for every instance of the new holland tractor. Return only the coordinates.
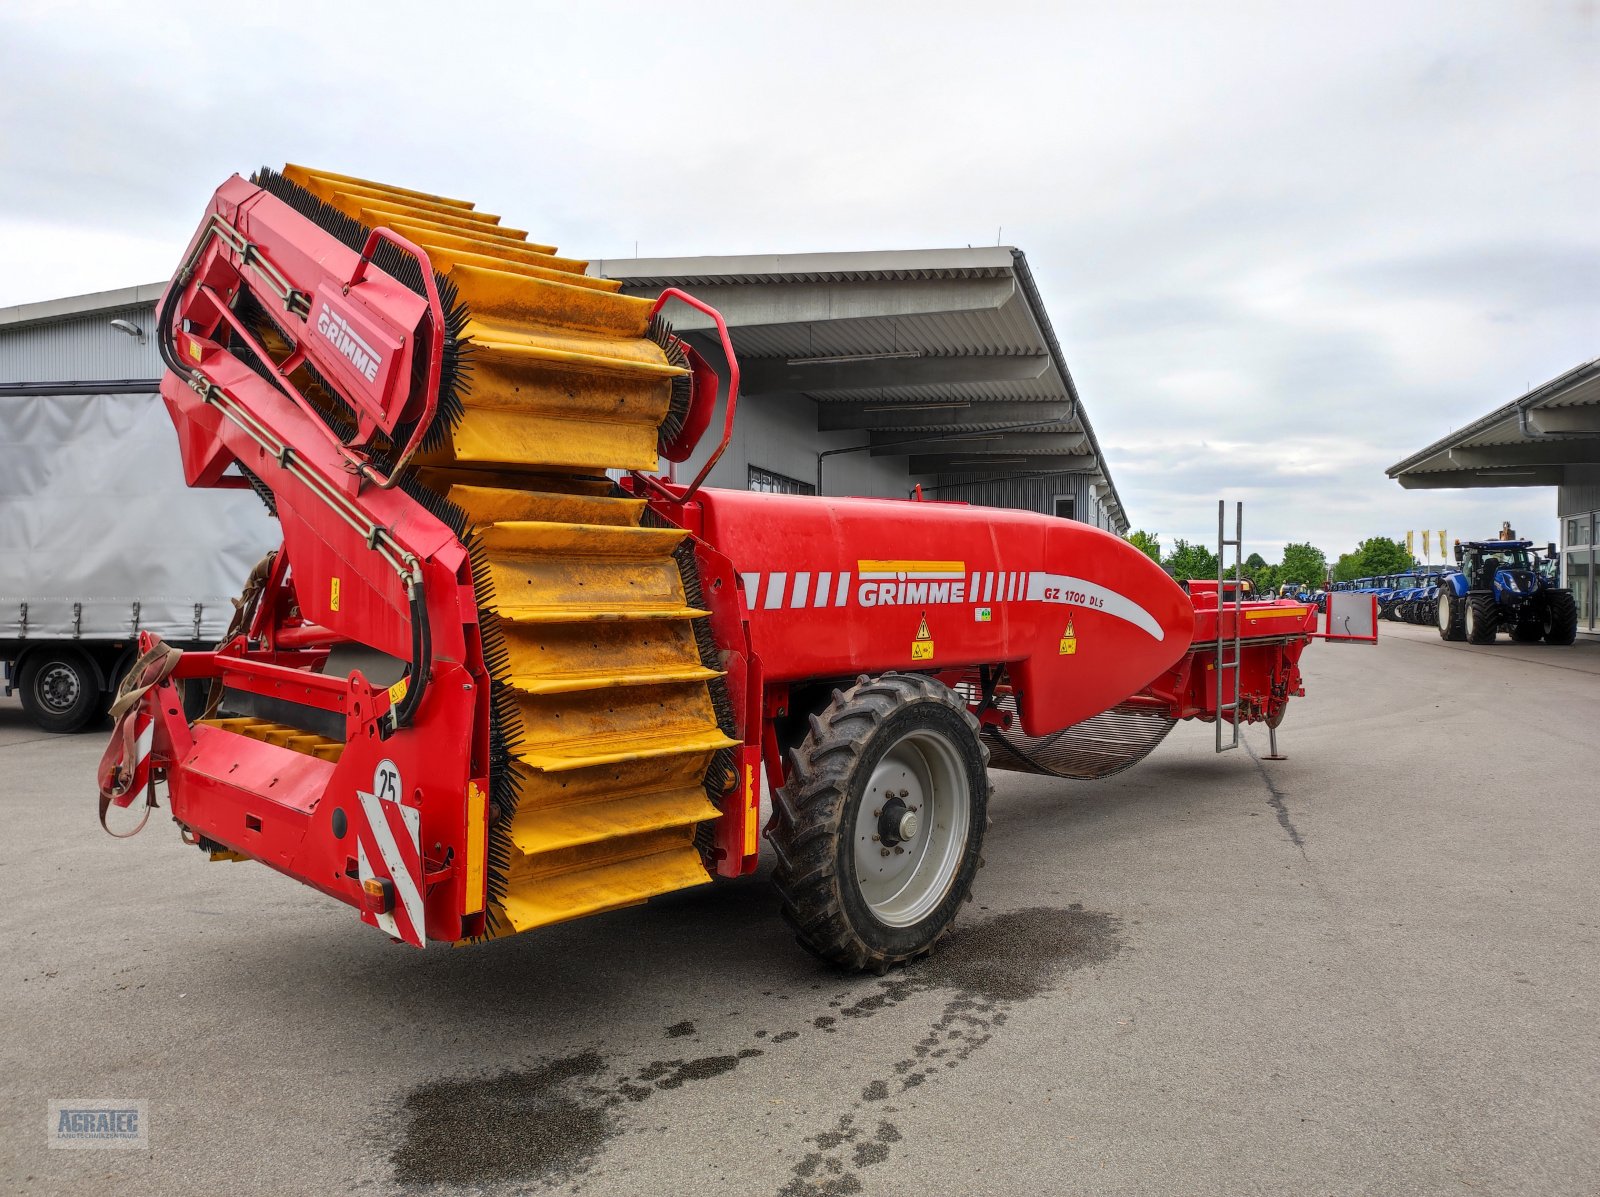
(1501, 586)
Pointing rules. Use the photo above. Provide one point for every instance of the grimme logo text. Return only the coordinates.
(347, 341)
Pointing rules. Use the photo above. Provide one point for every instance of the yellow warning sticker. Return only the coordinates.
(477, 830)
(922, 646)
(333, 593)
(194, 350)
(752, 811)
(397, 692)
(1069, 640)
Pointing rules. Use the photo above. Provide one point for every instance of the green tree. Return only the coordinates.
(1303, 563)
(1147, 543)
(1191, 561)
(1380, 555)
(1348, 568)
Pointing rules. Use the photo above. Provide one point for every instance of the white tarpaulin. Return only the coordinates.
(94, 511)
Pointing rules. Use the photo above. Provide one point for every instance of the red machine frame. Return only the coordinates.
(411, 855)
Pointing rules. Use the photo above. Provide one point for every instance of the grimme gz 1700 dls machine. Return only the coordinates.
(483, 687)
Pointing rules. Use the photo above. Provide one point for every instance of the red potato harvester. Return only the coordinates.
(483, 686)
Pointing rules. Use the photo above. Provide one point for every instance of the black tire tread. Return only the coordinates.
(1455, 630)
(1563, 627)
(90, 703)
(1487, 613)
(806, 831)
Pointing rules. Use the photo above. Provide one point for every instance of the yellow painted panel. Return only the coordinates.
(589, 754)
(673, 712)
(297, 174)
(524, 585)
(493, 504)
(557, 658)
(442, 237)
(624, 883)
(538, 791)
(538, 831)
(502, 296)
(374, 213)
(446, 258)
(580, 540)
(494, 438)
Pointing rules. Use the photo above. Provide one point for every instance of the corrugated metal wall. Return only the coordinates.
(1573, 500)
(80, 348)
(1024, 493)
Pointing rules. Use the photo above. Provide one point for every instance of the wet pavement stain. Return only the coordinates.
(990, 967)
(542, 1124)
(549, 1124)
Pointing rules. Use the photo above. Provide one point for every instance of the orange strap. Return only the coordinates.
(119, 764)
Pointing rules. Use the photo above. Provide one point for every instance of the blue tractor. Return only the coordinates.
(1504, 586)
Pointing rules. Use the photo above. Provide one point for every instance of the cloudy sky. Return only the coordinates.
(1283, 246)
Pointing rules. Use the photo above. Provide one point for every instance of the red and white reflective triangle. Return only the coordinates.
(388, 845)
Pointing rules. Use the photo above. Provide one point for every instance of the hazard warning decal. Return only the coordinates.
(388, 847)
(922, 646)
(1069, 639)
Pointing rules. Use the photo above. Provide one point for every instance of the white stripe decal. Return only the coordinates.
(842, 595)
(141, 746)
(364, 869)
(802, 590)
(1080, 593)
(752, 586)
(823, 581)
(988, 586)
(405, 884)
(776, 583)
(972, 586)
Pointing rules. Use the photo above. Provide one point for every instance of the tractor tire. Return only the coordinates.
(59, 689)
(1481, 619)
(1561, 617)
(879, 827)
(1450, 616)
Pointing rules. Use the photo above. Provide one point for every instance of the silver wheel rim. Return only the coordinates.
(1472, 621)
(58, 687)
(919, 787)
(1444, 613)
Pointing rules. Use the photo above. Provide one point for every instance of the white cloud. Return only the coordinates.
(1299, 242)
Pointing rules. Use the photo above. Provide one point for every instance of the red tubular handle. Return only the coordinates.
(430, 406)
(733, 378)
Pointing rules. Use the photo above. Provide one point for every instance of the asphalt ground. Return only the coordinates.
(1370, 968)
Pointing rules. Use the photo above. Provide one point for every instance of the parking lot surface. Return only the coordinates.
(1371, 968)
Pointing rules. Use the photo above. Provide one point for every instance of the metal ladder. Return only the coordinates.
(1227, 662)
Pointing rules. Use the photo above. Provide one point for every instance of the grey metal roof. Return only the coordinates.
(946, 343)
(1527, 442)
(49, 310)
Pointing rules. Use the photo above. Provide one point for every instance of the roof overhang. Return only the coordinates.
(945, 357)
(1532, 441)
(51, 310)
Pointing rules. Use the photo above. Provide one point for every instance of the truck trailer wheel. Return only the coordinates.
(59, 689)
(1449, 615)
(1482, 617)
(880, 824)
(1561, 618)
